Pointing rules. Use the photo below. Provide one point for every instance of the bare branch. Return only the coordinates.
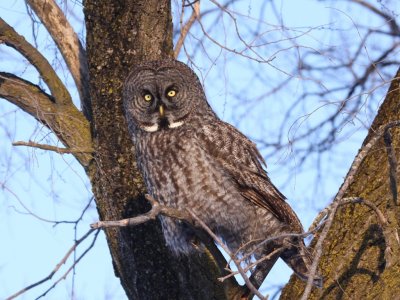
(69, 45)
(391, 21)
(72, 266)
(185, 29)
(69, 124)
(156, 210)
(57, 267)
(52, 148)
(11, 38)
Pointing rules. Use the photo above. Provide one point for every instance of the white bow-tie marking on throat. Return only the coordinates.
(152, 128)
(155, 127)
(175, 124)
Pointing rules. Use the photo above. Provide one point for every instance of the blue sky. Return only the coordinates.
(54, 187)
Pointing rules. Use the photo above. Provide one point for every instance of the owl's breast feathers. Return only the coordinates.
(240, 159)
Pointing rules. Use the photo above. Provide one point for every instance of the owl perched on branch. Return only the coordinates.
(191, 159)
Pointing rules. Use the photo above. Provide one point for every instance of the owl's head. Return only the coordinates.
(163, 95)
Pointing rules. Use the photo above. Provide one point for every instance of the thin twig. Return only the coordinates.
(273, 238)
(318, 252)
(250, 266)
(357, 200)
(52, 148)
(185, 29)
(57, 267)
(72, 266)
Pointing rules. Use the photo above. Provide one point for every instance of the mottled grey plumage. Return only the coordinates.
(191, 159)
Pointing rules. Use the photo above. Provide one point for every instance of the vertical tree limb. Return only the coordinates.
(69, 45)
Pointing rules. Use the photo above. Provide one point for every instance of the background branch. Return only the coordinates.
(389, 19)
(185, 29)
(58, 266)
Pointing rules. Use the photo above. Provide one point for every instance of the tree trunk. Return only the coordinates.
(360, 256)
(119, 35)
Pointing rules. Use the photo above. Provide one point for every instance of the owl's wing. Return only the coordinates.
(240, 159)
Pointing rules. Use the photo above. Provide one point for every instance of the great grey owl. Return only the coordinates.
(189, 158)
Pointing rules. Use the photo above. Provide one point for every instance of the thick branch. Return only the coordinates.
(69, 124)
(11, 38)
(69, 45)
(27, 96)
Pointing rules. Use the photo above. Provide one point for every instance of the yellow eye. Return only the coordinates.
(171, 93)
(147, 97)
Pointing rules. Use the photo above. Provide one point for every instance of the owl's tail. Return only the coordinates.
(298, 259)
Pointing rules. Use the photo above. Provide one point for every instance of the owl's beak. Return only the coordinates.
(161, 110)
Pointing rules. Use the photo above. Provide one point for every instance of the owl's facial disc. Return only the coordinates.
(160, 98)
(164, 105)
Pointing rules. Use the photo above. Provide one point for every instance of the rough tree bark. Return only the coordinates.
(360, 256)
